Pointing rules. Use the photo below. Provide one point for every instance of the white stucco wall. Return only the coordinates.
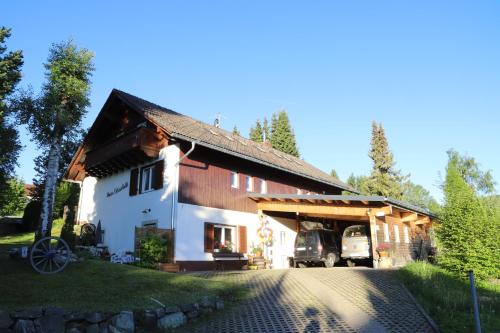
(190, 232)
(120, 213)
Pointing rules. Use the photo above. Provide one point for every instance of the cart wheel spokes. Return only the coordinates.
(49, 255)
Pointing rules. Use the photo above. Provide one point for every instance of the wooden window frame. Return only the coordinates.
(249, 181)
(236, 176)
(387, 237)
(263, 186)
(239, 235)
(397, 239)
(406, 234)
(151, 169)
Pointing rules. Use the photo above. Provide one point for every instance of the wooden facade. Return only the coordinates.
(205, 180)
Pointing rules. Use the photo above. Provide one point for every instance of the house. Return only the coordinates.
(144, 165)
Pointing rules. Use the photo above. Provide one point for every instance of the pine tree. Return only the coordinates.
(266, 130)
(236, 131)
(256, 133)
(384, 180)
(10, 75)
(282, 136)
(333, 173)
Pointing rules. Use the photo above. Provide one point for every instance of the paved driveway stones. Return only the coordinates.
(314, 300)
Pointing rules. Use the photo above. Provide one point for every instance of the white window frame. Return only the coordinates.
(249, 183)
(263, 186)
(386, 232)
(223, 235)
(406, 234)
(396, 234)
(235, 179)
(149, 180)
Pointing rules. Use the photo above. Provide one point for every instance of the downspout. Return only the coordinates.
(175, 190)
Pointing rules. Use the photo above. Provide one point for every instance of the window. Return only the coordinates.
(396, 233)
(249, 183)
(263, 186)
(146, 177)
(299, 191)
(222, 237)
(282, 239)
(386, 232)
(234, 180)
(405, 234)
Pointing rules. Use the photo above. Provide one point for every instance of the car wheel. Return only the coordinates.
(350, 263)
(330, 260)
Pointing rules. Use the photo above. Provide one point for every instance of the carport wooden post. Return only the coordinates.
(373, 236)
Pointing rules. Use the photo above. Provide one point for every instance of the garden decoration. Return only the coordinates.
(49, 255)
(88, 234)
(265, 233)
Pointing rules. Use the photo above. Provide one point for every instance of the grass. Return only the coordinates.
(98, 285)
(446, 298)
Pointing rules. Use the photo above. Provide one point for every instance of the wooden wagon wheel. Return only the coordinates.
(49, 255)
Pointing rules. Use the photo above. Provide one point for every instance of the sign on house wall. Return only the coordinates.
(117, 189)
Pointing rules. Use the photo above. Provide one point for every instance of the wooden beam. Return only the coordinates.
(347, 202)
(322, 209)
(364, 202)
(423, 220)
(408, 217)
(340, 217)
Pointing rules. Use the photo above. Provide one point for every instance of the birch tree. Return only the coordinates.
(56, 113)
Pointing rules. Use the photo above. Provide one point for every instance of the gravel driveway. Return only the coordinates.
(311, 300)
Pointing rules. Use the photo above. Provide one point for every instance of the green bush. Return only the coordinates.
(153, 250)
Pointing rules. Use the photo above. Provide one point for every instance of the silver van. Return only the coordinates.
(356, 244)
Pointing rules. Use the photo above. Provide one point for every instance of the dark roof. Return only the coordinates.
(186, 128)
(358, 198)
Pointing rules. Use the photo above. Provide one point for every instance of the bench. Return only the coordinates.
(222, 259)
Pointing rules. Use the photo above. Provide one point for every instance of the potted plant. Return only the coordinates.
(383, 250)
(257, 251)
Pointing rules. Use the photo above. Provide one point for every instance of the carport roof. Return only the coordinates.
(325, 198)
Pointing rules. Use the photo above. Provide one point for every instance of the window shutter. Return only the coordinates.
(134, 175)
(209, 237)
(158, 175)
(242, 231)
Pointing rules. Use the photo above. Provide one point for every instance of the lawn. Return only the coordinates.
(97, 285)
(447, 299)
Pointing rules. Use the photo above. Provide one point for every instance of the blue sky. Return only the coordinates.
(428, 71)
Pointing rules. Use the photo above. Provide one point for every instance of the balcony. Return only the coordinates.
(122, 153)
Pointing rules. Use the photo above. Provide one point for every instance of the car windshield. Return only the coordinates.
(355, 231)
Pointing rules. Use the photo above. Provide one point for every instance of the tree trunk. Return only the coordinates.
(50, 189)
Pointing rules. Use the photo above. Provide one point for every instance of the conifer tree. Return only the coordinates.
(469, 225)
(10, 75)
(282, 136)
(333, 173)
(384, 179)
(256, 133)
(265, 130)
(236, 131)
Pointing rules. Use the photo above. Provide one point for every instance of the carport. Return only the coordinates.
(404, 227)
